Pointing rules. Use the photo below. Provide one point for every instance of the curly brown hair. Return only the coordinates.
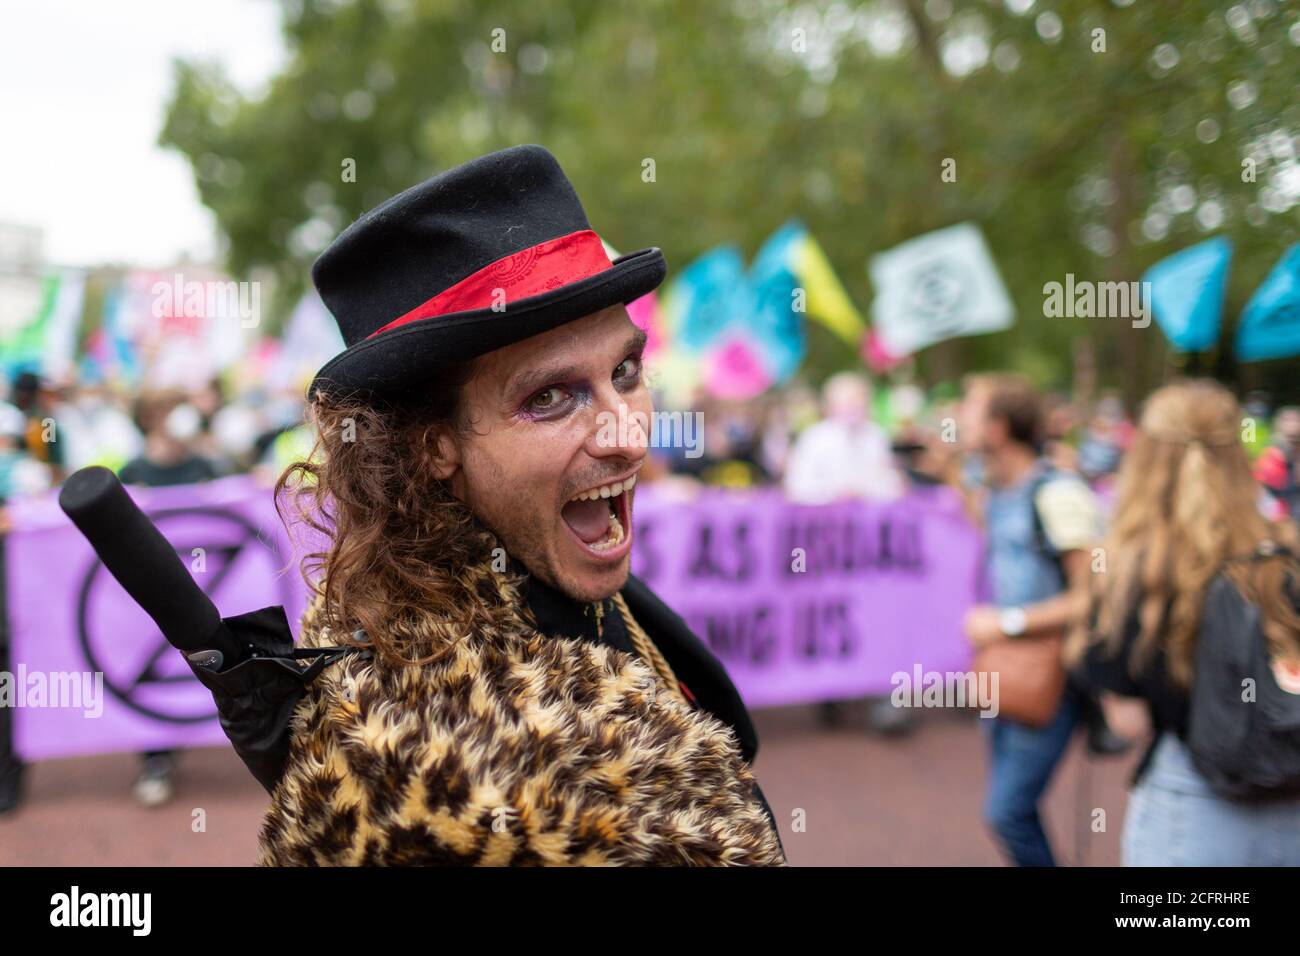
(397, 539)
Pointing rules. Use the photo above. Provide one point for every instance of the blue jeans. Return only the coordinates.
(1021, 761)
(1175, 819)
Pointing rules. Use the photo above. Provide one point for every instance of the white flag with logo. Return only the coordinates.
(935, 287)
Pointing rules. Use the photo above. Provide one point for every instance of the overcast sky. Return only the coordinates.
(82, 89)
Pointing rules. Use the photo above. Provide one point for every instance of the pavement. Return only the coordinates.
(843, 796)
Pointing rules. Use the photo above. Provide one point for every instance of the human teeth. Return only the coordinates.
(612, 539)
(606, 491)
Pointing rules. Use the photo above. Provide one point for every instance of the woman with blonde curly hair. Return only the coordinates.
(1188, 516)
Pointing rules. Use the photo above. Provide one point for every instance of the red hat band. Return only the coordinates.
(548, 265)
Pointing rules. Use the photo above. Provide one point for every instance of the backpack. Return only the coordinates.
(1246, 749)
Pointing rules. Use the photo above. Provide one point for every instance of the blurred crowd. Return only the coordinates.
(851, 439)
(856, 439)
(165, 436)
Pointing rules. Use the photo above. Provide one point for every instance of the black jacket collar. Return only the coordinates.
(559, 615)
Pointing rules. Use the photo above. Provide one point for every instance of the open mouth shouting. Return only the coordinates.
(600, 519)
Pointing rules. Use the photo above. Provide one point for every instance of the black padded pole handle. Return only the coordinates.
(143, 562)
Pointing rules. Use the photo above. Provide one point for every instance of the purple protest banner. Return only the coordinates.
(800, 603)
(809, 603)
(73, 629)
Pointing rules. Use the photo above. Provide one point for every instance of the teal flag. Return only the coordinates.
(1270, 324)
(708, 295)
(1186, 294)
(747, 325)
(777, 327)
(715, 304)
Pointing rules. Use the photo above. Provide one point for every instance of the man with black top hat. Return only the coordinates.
(510, 693)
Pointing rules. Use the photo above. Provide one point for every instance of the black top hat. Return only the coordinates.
(478, 257)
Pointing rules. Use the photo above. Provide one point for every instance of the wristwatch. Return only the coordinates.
(1012, 621)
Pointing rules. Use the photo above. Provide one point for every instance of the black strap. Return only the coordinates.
(1267, 549)
(326, 656)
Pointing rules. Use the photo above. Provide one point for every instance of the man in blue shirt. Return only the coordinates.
(1040, 525)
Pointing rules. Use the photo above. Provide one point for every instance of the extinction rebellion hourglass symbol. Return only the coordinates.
(116, 638)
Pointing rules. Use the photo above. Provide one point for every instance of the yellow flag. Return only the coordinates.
(827, 301)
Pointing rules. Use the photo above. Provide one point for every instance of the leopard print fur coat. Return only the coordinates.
(509, 748)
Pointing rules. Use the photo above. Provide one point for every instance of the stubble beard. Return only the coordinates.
(520, 530)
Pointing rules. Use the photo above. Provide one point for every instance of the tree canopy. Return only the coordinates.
(1091, 137)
